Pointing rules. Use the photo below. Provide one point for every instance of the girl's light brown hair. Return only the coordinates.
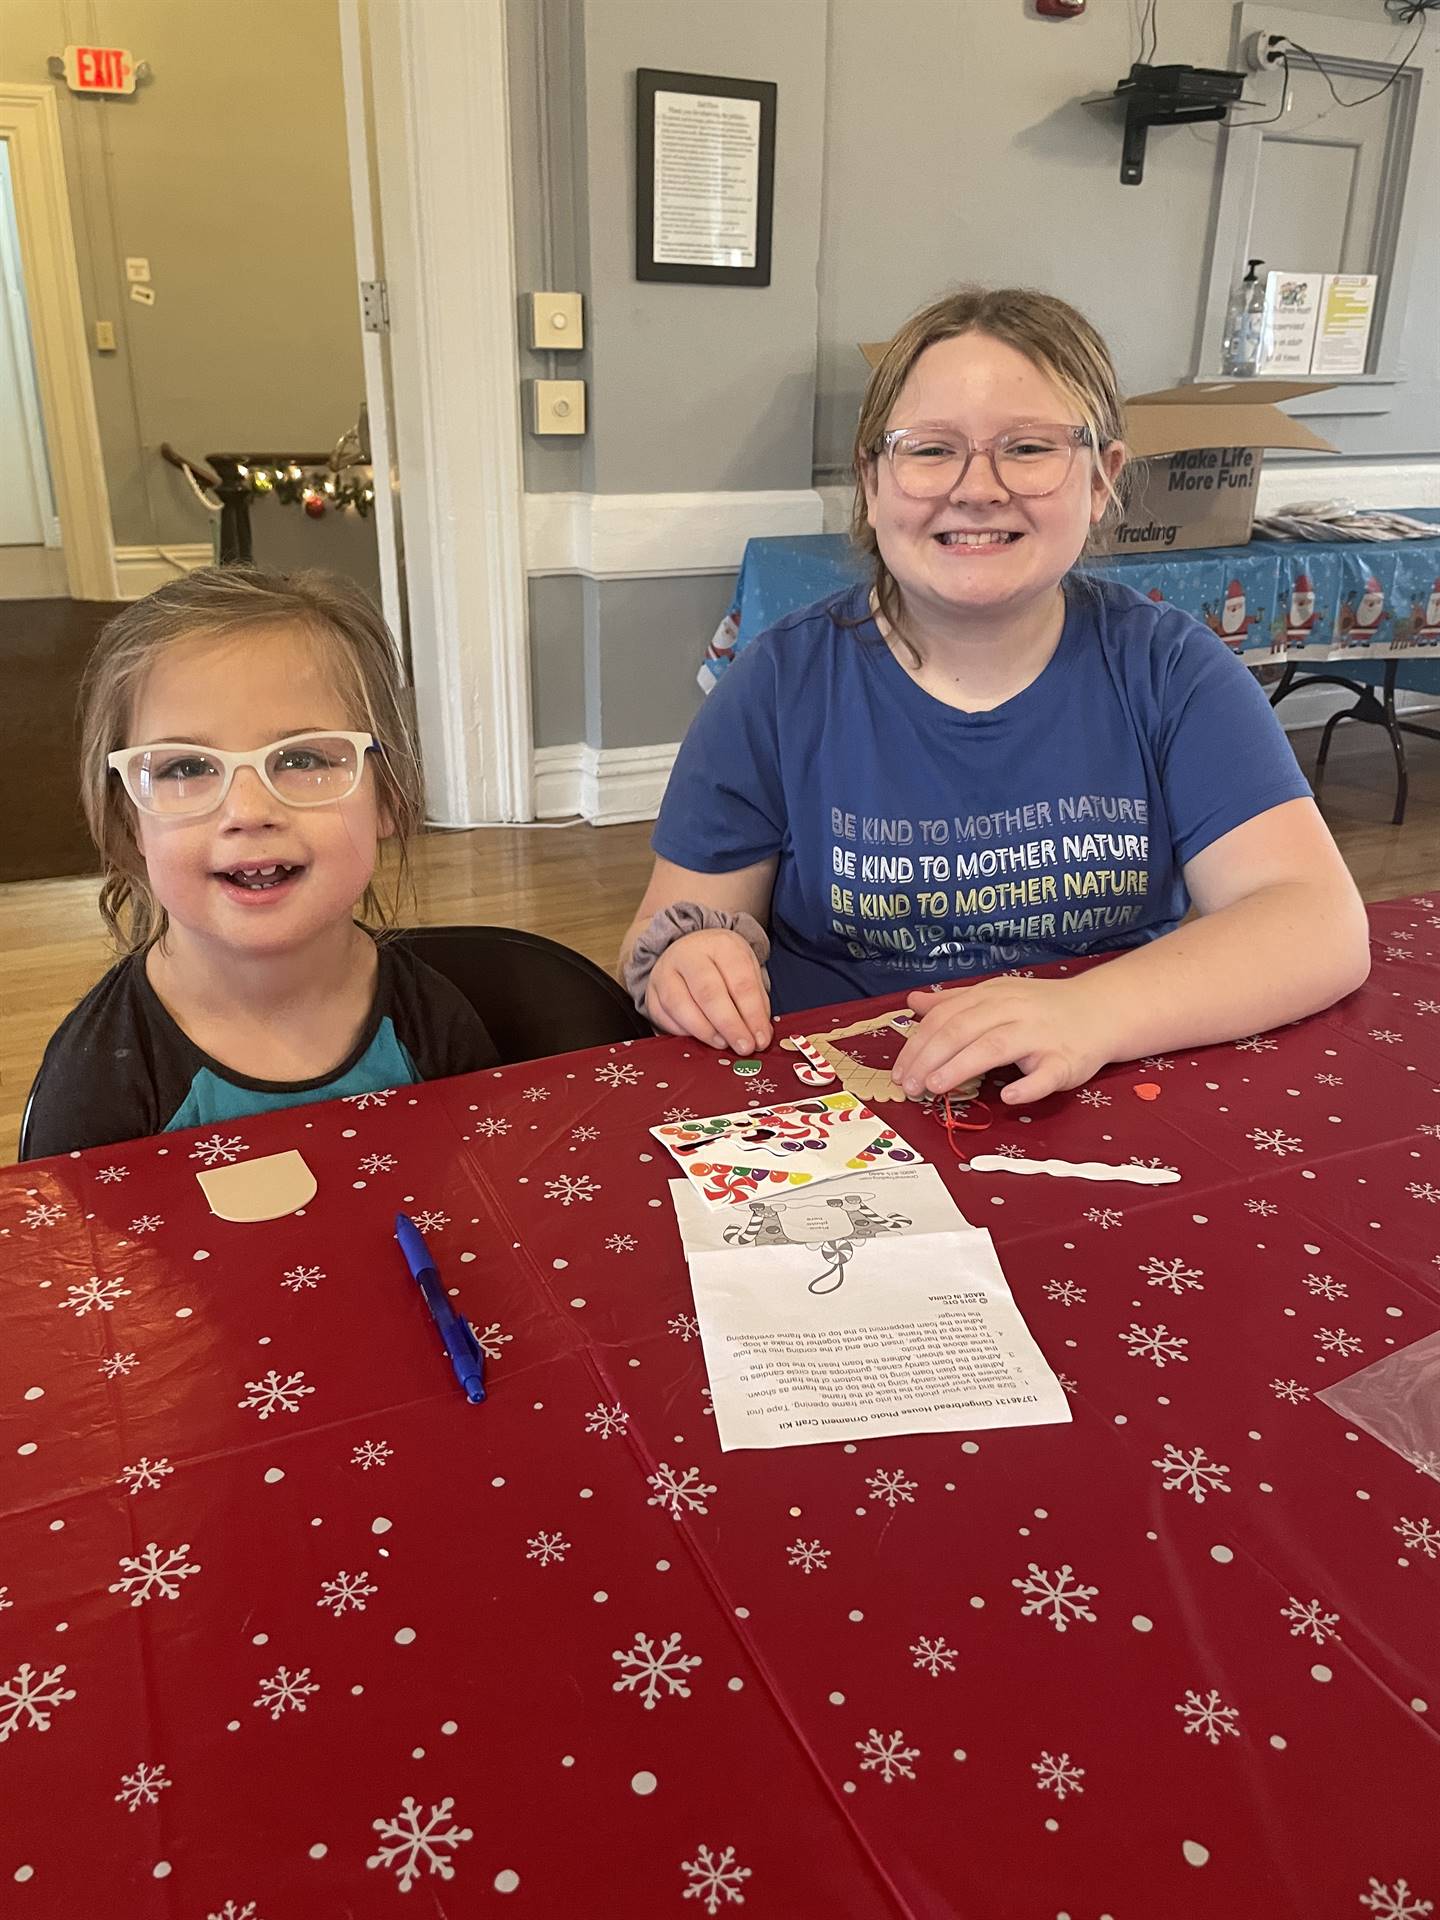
(1053, 336)
(209, 604)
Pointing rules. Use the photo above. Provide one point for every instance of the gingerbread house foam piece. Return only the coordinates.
(870, 1084)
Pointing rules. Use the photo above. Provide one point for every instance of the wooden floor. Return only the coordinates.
(581, 884)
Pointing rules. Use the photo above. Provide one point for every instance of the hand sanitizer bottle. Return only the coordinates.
(1246, 326)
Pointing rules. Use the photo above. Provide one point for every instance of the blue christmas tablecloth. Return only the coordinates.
(1368, 602)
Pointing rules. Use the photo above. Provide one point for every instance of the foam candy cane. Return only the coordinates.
(812, 1069)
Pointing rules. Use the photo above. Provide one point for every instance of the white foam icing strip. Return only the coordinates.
(1076, 1170)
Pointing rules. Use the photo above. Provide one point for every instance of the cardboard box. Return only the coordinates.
(1198, 452)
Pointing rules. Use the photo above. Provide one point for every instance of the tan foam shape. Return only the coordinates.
(870, 1084)
(264, 1189)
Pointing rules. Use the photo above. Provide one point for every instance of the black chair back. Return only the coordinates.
(535, 996)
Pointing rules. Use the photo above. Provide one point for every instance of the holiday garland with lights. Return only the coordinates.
(315, 490)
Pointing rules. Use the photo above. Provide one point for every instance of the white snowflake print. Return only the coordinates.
(1309, 1617)
(111, 1176)
(1208, 1716)
(1064, 1293)
(584, 1134)
(1387, 1036)
(546, 1547)
(116, 1364)
(219, 1150)
(430, 1221)
(1422, 1190)
(1154, 1161)
(715, 1878)
(143, 1787)
(808, 1556)
(887, 1755)
(1325, 1287)
(4, 1603)
(1092, 1097)
(1399, 1902)
(617, 1073)
(1010, 1151)
(144, 1474)
(1420, 1536)
(622, 1242)
(567, 1190)
(147, 1223)
(371, 1453)
(685, 1325)
(491, 1341)
(1426, 1006)
(535, 1094)
(1290, 1390)
(298, 1278)
(270, 1394)
(1057, 1597)
(45, 1213)
(408, 1843)
(892, 1486)
(1329, 1080)
(607, 1421)
(33, 1695)
(364, 1100)
(1337, 1340)
(934, 1656)
(655, 1671)
(1154, 1343)
(1158, 1062)
(1173, 1274)
(1256, 1043)
(1266, 1209)
(1189, 1470)
(378, 1163)
(1070, 1386)
(144, 1575)
(676, 1114)
(765, 1087)
(1428, 1463)
(1398, 953)
(286, 1692)
(678, 1492)
(346, 1590)
(1057, 1774)
(1104, 1217)
(493, 1127)
(232, 1910)
(1431, 1127)
(96, 1295)
(1273, 1140)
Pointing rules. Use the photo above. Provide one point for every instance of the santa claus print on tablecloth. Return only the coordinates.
(1298, 623)
(1363, 619)
(1423, 627)
(1234, 621)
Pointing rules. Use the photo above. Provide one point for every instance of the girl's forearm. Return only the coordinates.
(1285, 951)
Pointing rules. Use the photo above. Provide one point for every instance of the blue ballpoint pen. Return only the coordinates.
(466, 1354)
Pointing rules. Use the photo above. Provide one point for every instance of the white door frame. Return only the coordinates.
(30, 125)
(437, 117)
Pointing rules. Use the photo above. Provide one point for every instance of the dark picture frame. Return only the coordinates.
(652, 80)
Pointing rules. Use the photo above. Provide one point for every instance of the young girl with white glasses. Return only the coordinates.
(244, 752)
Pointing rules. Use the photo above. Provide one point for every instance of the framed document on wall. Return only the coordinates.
(704, 178)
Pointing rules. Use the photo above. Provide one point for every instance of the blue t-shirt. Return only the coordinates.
(918, 843)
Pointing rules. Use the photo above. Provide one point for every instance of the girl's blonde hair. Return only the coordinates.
(1053, 337)
(208, 604)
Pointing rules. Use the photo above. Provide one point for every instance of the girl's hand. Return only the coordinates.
(708, 985)
(1050, 1029)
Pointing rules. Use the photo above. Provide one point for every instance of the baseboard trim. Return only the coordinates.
(140, 570)
(628, 536)
(604, 785)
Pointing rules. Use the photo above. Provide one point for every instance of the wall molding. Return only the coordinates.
(139, 570)
(628, 536)
(603, 785)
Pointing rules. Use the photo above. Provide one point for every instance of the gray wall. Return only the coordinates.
(920, 143)
(228, 171)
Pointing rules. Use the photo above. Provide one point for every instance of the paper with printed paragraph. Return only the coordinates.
(863, 1308)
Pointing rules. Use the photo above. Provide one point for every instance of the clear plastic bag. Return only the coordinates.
(1397, 1400)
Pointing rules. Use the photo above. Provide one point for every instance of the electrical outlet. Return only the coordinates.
(1265, 51)
(137, 268)
(559, 406)
(556, 320)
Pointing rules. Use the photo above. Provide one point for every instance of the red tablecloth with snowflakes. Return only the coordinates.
(289, 1631)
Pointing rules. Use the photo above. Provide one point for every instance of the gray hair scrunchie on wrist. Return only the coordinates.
(672, 923)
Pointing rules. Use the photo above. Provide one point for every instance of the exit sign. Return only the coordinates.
(99, 70)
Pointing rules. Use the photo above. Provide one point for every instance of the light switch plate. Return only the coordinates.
(556, 321)
(137, 268)
(559, 406)
(105, 336)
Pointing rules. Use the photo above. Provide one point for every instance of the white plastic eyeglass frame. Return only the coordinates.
(120, 762)
(1076, 437)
